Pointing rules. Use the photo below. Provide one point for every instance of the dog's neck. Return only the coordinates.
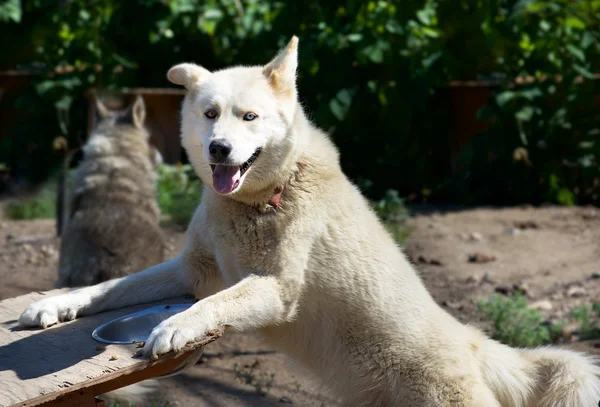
(276, 198)
(264, 201)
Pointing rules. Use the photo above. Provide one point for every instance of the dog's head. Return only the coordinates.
(236, 122)
(121, 130)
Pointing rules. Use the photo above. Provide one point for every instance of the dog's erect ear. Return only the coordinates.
(135, 114)
(281, 71)
(188, 75)
(102, 111)
(138, 112)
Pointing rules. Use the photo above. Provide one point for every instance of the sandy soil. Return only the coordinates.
(551, 253)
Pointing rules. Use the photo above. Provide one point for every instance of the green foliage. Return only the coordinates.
(588, 328)
(178, 192)
(40, 206)
(392, 211)
(10, 10)
(515, 324)
(551, 113)
(372, 73)
(391, 207)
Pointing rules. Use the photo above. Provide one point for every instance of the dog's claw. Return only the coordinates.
(166, 337)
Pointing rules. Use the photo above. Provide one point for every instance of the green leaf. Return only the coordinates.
(531, 94)
(355, 37)
(45, 86)
(587, 161)
(503, 98)
(423, 17)
(522, 134)
(525, 114)
(345, 97)
(64, 103)
(394, 27)
(10, 10)
(124, 61)
(337, 109)
(207, 26)
(587, 39)
(431, 59)
(213, 14)
(586, 145)
(431, 32)
(576, 52)
(565, 197)
(84, 15)
(427, 15)
(340, 105)
(374, 53)
(583, 71)
(574, 22)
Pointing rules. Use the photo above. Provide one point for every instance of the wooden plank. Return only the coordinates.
(41, 365)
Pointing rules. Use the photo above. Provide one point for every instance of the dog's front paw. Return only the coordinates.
(168, 336)
(48, 312)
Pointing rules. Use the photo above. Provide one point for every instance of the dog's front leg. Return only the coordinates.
(165, 280)
(254, 302)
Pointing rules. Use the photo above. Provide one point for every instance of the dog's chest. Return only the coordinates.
(245, 241)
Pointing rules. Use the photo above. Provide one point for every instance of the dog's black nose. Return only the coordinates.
(219, 150)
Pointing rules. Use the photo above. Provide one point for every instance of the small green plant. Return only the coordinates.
(392, 211)
(178, 192)
(587, 325)
(262, 382)
(517, 325)
(40, 206)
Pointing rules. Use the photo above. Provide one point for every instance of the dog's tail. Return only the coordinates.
(542, 377)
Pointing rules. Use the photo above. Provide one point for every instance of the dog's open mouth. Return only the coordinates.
(226, 178)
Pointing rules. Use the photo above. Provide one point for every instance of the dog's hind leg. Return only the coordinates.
(165, 280)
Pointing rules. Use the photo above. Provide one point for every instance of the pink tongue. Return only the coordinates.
(225, 178)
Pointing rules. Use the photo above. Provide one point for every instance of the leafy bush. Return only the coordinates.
(178, 192)
(515, 324)
(34, 208)
(544, 139)
(372, 73)
(40, 206)
(393, 213)
(588, 328)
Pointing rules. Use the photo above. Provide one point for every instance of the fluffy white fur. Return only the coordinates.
(319, 276)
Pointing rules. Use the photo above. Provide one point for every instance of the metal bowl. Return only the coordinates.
(137, 326)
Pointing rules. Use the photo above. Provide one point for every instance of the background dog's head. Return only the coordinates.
(236, 123)
(121, 133)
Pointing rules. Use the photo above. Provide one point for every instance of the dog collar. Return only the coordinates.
(276, 198)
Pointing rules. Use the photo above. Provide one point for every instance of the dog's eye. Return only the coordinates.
(250, 116)
(210, 114)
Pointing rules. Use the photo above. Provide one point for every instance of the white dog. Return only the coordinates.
(283, 243)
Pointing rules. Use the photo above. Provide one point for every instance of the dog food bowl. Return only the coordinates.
(137, 326)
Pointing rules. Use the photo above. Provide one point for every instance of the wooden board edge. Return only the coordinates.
(143, 370)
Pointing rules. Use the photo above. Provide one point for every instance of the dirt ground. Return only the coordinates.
(551, 253)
